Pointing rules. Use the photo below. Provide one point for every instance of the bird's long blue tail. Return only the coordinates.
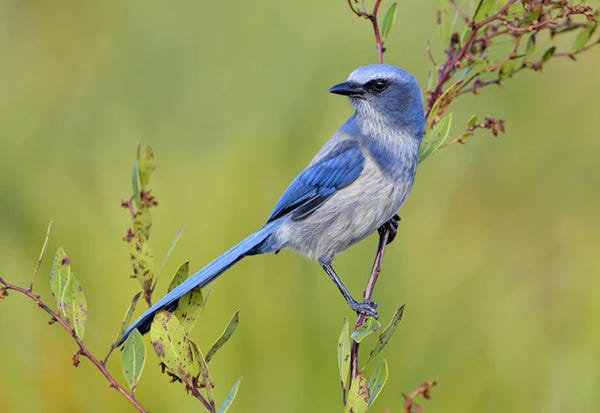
(253, 244)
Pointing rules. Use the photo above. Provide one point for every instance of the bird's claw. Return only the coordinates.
(391, 227)
(366, 307)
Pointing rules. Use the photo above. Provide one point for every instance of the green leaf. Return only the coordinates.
(507, 68)
(378, 380)
(445, 24)
(133, 358)
(472, 121)
(202, 373)
(358, 396)
(142, 262)
(180, 276)
(190, 304)
(344, 355)
(485, 9)
(68, 293)
(388, 20)
(42, 255)
(366, 329)
(530, 47)
(76, 306)
(548, 54)
(60, 274)
(387, 333)
(146, 166)
(127, 319)
(135, 183)
(171, 346)
(583, 36)
(225, 336)
(230, 397)
(435, 137)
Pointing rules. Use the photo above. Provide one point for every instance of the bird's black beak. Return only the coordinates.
(349, 89)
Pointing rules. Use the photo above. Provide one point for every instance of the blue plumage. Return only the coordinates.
(354, 185)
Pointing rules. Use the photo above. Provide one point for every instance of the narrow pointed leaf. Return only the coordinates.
(358, 396)
(548, 54)
(146, 166)
(133, 358)
(378, 380)
(170, 345)
(190, 304)
(135, 183)
(128, 314)
(202, 372)
(180, 275)
(230, 397)
(435, 137)
(472, 121)
(388, 21)
(225, 336)
(42, 255)
(344, 356)
(530, 48)
(366, 329)
(387, 333)
(583, 36)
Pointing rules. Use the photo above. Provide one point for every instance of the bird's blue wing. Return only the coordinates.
(317, 183)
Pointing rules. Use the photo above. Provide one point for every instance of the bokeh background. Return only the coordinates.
(497, 258)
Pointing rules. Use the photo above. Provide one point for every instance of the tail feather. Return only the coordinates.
(249, 246)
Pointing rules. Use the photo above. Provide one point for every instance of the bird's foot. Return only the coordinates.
(391, 226)
(366, 307)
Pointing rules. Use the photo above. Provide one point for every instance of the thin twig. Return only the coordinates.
(41, 258)
(82, 348)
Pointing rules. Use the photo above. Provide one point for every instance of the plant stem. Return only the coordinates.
(368, 293)
(82, 348)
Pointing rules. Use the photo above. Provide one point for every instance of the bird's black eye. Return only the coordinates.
(378, 85)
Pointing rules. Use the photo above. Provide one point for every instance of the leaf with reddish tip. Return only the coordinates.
(133, 358)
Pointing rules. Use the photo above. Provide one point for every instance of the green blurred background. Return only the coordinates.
(497, 258)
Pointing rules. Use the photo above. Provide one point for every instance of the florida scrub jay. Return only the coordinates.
(353, 186)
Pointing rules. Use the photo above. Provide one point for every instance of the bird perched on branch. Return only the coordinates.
(353, 186)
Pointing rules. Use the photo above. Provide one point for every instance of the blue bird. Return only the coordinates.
(353, 187)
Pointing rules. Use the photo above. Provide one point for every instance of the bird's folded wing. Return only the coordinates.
(317, 183)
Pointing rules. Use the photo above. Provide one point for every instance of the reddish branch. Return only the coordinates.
(372, 17)
(82, 351)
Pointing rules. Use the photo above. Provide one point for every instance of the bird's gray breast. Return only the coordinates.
(356, 211)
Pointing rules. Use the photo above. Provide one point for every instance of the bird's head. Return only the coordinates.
(385, 96)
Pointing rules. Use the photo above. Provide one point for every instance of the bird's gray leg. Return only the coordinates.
(391, 226)
(366, 307)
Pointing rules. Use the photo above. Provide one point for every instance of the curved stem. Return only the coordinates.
(82, 348)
